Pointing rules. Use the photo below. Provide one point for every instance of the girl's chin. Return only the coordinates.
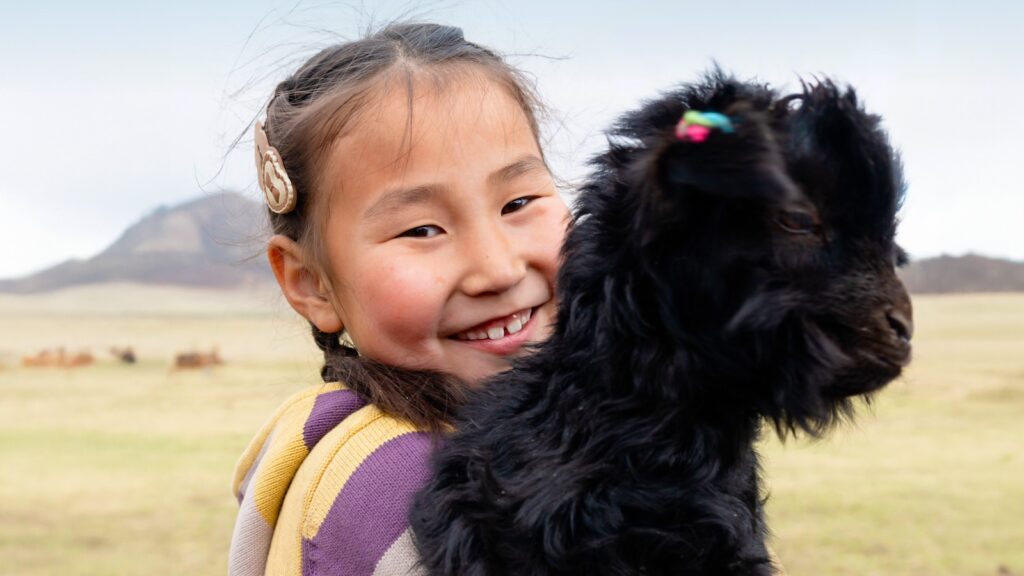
(477, 374)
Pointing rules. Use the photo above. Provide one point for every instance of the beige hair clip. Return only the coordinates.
(277, 187)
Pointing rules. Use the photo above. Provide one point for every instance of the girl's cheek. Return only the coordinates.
(406, 299)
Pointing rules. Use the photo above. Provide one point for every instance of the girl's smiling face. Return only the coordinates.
(444, 229)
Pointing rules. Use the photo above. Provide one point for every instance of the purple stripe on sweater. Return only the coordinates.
(329, 409)
(371, 511)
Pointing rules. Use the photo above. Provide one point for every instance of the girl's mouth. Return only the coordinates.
(498, 328)
(500, 336)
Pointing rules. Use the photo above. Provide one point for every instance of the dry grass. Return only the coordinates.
(115, 469)
(931, 478)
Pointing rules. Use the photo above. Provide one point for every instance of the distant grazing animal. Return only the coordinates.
(715, 277)
(190, 360)
(125, 355)
(41, 359)
(80, 359)
(58, 358)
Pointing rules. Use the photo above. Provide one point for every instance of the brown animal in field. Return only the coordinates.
(80, 359)
(41, 359)
(125, 355)
(57, 359)
(190, 360)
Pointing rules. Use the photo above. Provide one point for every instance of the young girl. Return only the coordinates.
(418, 229)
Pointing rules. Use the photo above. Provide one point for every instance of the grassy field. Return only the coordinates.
(114, 469)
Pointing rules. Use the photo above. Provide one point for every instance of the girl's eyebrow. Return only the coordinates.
(395, 199)
(402, 197)
(527, 163)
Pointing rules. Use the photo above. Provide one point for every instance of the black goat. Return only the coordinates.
(710, 281)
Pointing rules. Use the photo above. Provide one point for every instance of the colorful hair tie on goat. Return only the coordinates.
(697, 126)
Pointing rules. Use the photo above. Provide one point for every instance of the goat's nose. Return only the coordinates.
(901, 324)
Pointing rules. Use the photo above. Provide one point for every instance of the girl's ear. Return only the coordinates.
(303, 287)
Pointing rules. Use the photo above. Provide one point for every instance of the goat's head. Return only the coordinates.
(769, 245)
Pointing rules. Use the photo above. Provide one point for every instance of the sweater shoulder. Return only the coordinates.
(358, 483)
(299, 422)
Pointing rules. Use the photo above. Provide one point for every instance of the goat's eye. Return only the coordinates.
(798, 222)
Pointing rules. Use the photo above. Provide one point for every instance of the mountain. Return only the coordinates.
(215, 241)
(970, 273)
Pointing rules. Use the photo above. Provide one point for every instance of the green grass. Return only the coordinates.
(114, 469)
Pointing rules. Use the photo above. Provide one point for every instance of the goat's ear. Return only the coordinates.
(743, 162)
(836, 139)
(831, 123)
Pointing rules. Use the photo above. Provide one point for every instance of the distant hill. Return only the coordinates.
(216, 241)
(970, 273)
(210, 242)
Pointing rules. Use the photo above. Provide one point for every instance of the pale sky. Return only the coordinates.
(113, 108)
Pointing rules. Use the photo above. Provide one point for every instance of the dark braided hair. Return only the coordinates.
(307, 112)
(425, 398)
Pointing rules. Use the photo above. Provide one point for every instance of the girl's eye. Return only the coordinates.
(516, 204)
(428, 231)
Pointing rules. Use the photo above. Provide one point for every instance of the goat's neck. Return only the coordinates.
(632, 360)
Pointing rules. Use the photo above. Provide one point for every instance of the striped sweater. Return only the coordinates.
(324, 489)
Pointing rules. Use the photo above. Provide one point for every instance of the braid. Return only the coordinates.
(426, 398)
(330, 344)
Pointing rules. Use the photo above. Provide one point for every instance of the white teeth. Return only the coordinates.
(514, 326)
(497, 333)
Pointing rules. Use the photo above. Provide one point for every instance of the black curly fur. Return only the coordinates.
(705, 287)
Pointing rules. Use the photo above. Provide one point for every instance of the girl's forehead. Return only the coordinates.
(429, 133)
(404, 114)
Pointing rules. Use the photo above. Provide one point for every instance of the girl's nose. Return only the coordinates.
(493, 264)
